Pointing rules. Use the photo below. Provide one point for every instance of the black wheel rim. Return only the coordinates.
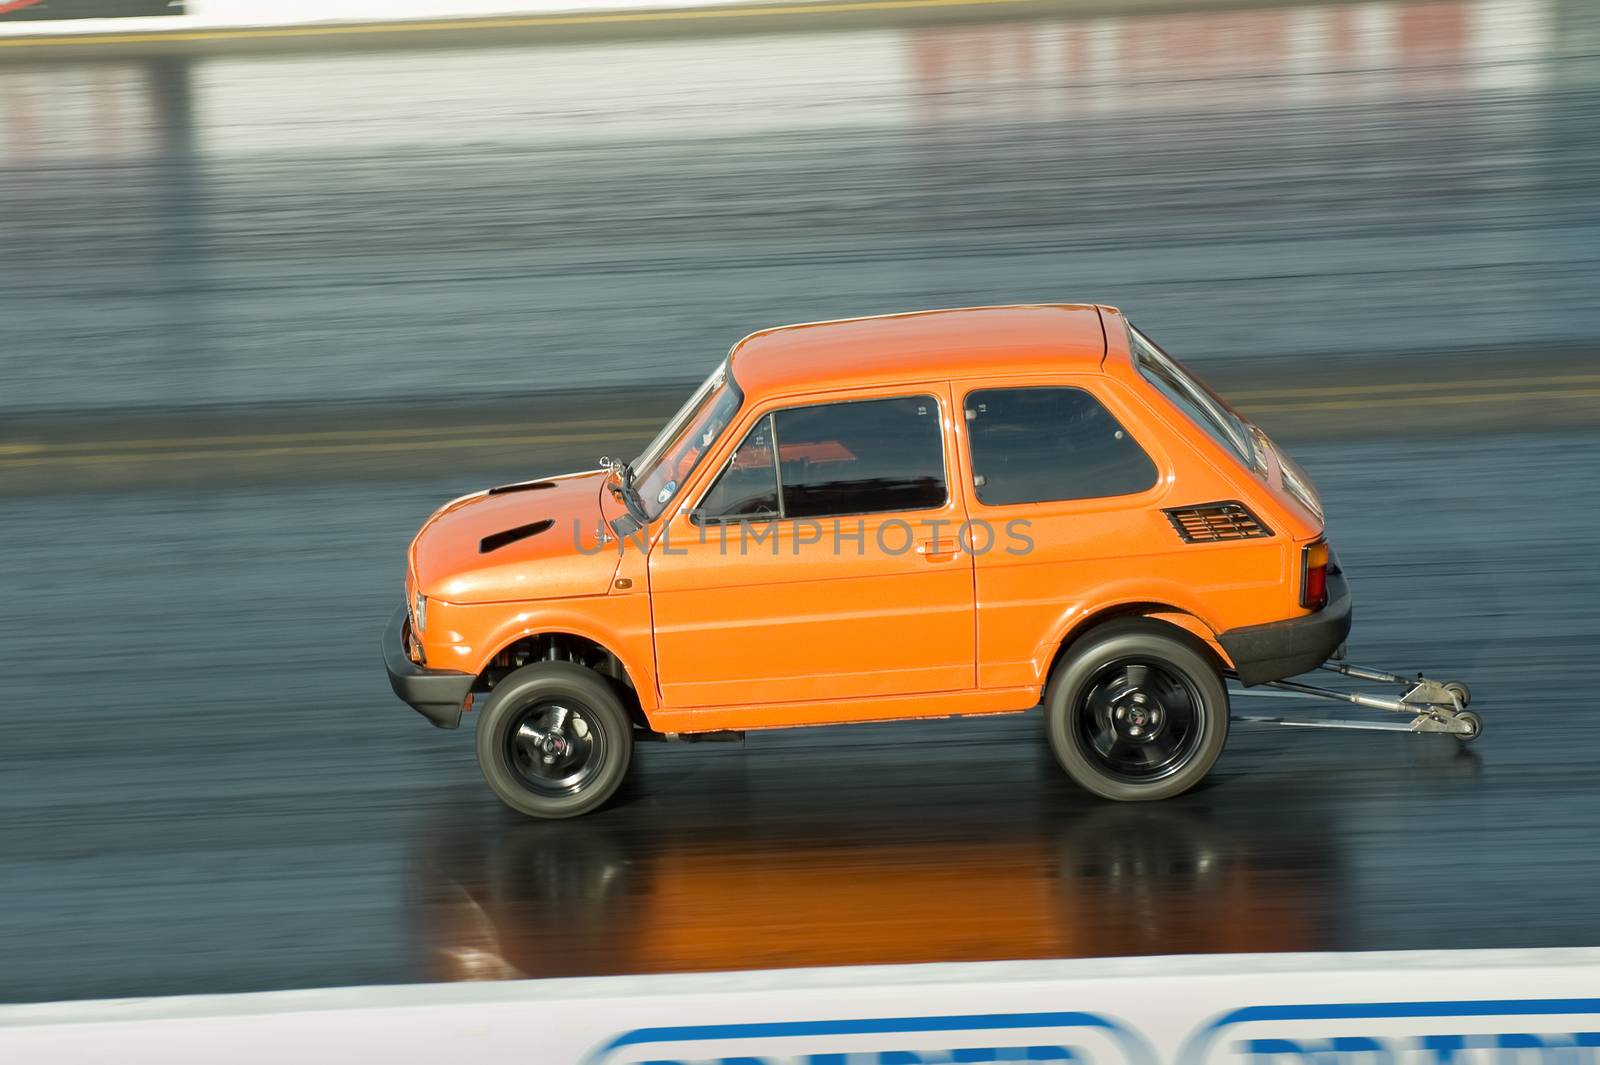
(1139, 720)
(556, 748)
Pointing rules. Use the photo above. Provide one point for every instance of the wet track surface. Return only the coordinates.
(208, 787)
(205, 784)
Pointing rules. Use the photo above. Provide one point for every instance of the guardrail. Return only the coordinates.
(1432, 1008)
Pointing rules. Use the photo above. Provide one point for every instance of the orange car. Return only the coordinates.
(911, 516)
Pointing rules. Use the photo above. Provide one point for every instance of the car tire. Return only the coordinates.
(554, 740)
(1136, 711)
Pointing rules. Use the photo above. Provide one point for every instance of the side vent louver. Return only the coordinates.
(1209, 523)
(520, 486)
(510, 536)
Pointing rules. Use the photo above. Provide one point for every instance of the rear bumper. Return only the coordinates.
(1285, 648)
(436, 694)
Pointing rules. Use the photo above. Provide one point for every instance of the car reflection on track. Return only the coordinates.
(505, 900)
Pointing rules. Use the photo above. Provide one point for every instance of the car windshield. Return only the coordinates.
(1194, 397)
(660, 471)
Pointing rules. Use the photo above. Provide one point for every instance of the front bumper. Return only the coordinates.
(436, 694)
(1281, 649)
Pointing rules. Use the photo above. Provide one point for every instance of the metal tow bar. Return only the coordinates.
(1435, 706)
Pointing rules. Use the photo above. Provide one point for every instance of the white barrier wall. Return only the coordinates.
(288, 12)
(1443, 1008)
(917, 78)
(201, 15)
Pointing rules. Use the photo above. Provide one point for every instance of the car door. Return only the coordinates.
(821, 564)
(1064, 508)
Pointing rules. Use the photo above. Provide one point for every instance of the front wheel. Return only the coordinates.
(1134, 712)
(554, 740)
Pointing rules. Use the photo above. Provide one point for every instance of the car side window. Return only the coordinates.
(861, 457)
(748, 487)
(1038, 445)
(832, 460)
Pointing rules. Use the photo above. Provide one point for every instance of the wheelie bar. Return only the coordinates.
(1363, 673)
(1437, 706)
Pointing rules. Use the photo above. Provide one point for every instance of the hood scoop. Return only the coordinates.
(496, 541)
(520, 486)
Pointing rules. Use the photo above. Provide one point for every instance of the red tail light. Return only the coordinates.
(1314, 576)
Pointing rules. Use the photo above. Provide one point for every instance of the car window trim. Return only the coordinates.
(1242, 447)
(696, 514)
(777, 461)
(720, 379)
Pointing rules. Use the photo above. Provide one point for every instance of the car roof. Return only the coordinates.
(920, 346)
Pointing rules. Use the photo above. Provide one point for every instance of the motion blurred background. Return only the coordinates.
(264, 303)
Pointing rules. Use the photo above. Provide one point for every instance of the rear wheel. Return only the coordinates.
(554, 740)
(1135, 712)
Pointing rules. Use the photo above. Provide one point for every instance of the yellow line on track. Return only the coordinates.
(1427, 401)
(1244, 396)
(29, 455)
(332, 435)
(381, 447)
(517, 22)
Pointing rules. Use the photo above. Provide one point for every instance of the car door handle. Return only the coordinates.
(937, 550)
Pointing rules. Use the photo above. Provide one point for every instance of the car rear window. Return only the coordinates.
(1037, 445)
(1207, 410)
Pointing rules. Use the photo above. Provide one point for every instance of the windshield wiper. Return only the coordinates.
(631, 498)
(619, 478)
